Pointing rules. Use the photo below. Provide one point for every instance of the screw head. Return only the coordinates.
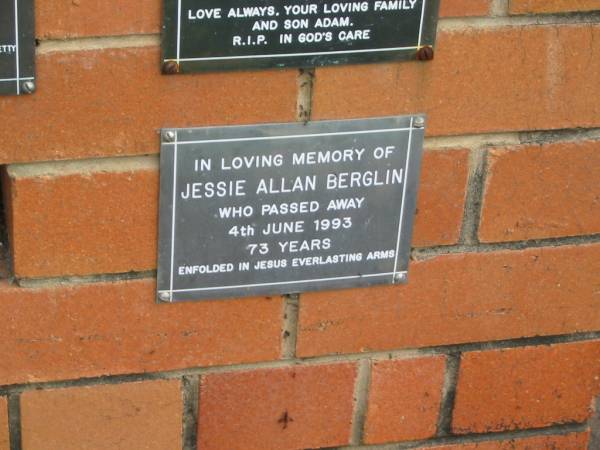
(28, 87)
(164, 296)
(169, 136)
(425, 53)
(170, 67)
(419, 122)
(400, 278)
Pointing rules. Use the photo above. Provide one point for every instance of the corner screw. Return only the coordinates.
(170, 67)
(400, 278)
(425, 53)
(28, 87)
(419, 122)
(164, 296)
(169, 136)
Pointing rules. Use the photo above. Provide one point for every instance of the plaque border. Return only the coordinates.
(174, 138)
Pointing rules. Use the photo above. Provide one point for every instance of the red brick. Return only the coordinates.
(77, 218)
(83, 223)
(404, 399)
(88, 330)
(542, 191)
(459, 298)
(246, 410)
(574, 441)
(144, 415)
(4, 438)
(82, 18)
(113, 101)
(526, 387)
(442, 193)
(552, 6)
(462, 8)
(494, 89)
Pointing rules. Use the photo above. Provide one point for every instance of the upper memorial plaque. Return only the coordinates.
(17, 47)
(201, 35)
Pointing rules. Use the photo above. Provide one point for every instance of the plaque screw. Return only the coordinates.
(400, 278)
(28, 87)
(419, 122)
(170, 67)
(169, 136)
(164, 296)
(425, 53)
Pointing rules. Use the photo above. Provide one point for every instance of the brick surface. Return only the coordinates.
(145, 416)
(495, 88)
(460, 298)
(290, 408)
(526, 387)
(543, 191)
(441, 202)
(83, 18)
(574, 441)
(404, 399)
(4, 437)
(112, 102)
(86, 330)
(83, 223)
(461, 8)
(552, 6)
(100, 216)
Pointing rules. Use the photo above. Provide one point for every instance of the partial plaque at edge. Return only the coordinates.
(286, 208)
(204, 35)
(17, 47)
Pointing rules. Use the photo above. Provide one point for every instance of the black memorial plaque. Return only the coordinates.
(17, 47)
(285, 208)
(239, 34)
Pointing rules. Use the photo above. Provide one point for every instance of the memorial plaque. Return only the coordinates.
(17, 47)
(286, 208)
(240, 34)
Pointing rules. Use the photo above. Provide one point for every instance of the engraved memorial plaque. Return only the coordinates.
(286, 208)
(204, 35)
(17, 47)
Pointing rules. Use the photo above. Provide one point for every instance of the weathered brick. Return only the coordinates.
(462, 8)
(542, 191)
(144, 415)
(526, 387)
(459, 298)
(76, 218)
(441, 202)
(573, 441)
(494, 89)
(404, 399)
(4, 437)
(87, 330)
(99, 220)
(113, 101)
(277, 409)
(552, 6)
(59, 20)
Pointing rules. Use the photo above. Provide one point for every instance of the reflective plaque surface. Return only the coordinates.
(17, 47)
(285, 208)
(238, 34)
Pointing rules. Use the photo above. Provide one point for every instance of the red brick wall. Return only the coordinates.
(493, 344)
